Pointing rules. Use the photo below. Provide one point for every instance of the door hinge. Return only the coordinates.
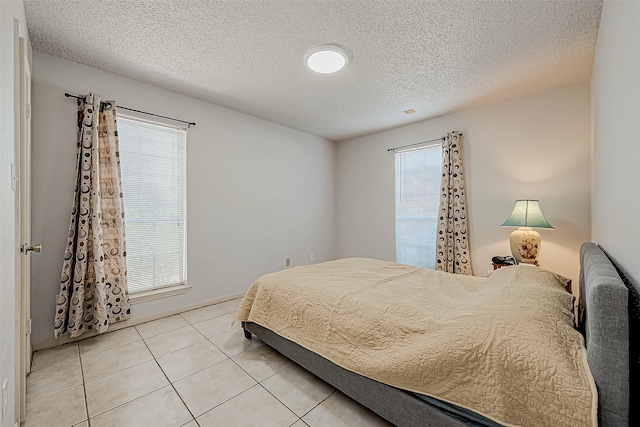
(28, 111)
(28, 326)
(14, 177)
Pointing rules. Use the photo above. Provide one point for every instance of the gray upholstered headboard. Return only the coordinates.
(604, 315)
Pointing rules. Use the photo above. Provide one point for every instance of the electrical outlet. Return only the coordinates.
(287, 262)
(312, 257)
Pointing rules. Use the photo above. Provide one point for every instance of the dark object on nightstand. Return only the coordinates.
(509, 260)
(502, 261)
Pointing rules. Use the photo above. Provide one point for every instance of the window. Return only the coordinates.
(153, 165)
(417, 202)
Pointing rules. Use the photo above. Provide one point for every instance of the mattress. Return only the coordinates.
(503, 347)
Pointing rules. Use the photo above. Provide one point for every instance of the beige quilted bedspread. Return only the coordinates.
(503, 347)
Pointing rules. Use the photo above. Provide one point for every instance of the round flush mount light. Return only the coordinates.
(326, 59)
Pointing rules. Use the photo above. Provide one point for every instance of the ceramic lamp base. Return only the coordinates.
(525, 245)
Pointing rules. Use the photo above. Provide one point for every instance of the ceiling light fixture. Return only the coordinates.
(326, 59)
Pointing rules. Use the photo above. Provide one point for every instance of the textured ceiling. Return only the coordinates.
(435, 57)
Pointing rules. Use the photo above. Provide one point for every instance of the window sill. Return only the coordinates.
(159, 293)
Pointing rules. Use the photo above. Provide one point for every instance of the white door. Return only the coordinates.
(24, 188)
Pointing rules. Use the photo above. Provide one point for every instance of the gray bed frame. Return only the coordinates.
(606, 309)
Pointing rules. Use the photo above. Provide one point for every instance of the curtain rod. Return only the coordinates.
(189, 124)
(419, 143)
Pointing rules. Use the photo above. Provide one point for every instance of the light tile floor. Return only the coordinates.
(192, 369)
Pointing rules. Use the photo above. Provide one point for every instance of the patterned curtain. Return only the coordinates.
(93, 288)
(452, 251)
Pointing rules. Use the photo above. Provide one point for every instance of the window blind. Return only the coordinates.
(417, 203)
(153, 168)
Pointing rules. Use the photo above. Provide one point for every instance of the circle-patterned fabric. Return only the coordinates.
(93, 286)
(452, 245)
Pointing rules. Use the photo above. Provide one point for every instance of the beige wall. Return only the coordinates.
(257, 193)
(615, 87)
(531, 147)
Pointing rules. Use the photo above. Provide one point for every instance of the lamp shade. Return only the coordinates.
(527, 213)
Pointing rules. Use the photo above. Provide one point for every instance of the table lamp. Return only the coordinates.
(525, 242)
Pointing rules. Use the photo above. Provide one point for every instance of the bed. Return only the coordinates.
(332, 356)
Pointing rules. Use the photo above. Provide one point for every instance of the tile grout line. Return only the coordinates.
(276, 397)
(124, 403)
(255, 348)
(228, 358)
(234, 396)
(281, 402)
(84, 380)
(120, 369)
(314, 407)
(84, 388)
(31, 400)
(276, 373)
(132, 400)
(154, 358)
(171, 382)
(264, 388)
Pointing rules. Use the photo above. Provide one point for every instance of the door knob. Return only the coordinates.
(35, 248)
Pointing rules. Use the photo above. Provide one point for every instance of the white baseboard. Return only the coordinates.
(54, 342)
